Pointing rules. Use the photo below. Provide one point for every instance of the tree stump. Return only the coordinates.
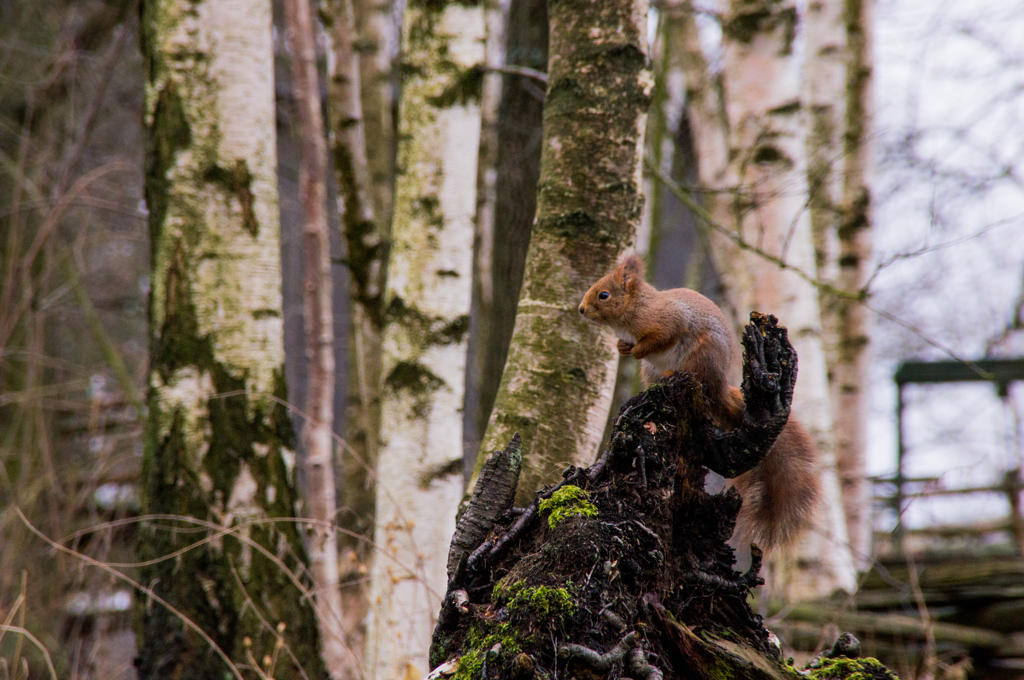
(622, 569)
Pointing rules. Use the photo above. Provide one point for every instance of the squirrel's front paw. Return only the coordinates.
(625, 347)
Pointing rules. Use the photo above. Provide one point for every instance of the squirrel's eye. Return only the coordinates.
(603, 295)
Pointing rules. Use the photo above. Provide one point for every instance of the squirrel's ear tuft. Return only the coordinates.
(632, 269)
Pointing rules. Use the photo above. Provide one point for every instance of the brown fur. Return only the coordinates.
(681, 330)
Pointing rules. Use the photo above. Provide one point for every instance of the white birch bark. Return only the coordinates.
(751, 153)
(428, 299)
(826, 88)
(557, 386)
(851, 370)
(218, 437)
(235, 273)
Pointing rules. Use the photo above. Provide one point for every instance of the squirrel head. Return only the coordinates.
(613, 297)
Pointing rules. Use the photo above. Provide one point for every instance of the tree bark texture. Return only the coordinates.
(366, 234)
(481, 312)
(621, 569)
(377, 34)
(558, 380)
(678, 250)
(834, 82)
(658, 238)
(424, 344)
(219, 444)
(519, 130)
(317, 431)
(850, 371)
(752, 161)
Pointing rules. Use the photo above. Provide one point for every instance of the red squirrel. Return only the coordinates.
(681, 330)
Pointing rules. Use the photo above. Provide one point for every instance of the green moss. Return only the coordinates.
(417, 381)
(427, 208)
(179, 342)
(470, 664)
(543, 602)
(761, 17)
(438, 6)
(464, 88)
(413, 377)
(428, 330)
(850, 669)
(481, 639)
(240, 433)
(769, 154)
(168, 134)
(366, 246)
(517, 422)
(237, 182)
(569, 501)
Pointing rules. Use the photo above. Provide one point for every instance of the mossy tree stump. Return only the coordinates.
(621, 569)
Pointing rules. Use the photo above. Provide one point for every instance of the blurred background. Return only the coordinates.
(943, 446)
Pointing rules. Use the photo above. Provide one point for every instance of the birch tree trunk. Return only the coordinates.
(318, 441)
(752, 160)
(424, 344)
(850, 372)
(365, 233)
(679, 252)
(219, 445)
(558, 380)
(517, 167)
(377, 49)
(482, 329)
(663, 119)
(836, 151)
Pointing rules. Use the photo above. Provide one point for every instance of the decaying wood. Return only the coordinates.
(622, 569)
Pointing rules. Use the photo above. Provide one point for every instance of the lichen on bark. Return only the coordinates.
(427, 299)
(218, 459)
(556, 388)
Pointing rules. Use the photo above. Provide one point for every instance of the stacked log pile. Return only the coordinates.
(969, 609)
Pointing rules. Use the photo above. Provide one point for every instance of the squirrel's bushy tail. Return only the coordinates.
(780, 494)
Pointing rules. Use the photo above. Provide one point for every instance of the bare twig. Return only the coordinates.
(34, 640)
(127, 579)
(704, 216)
(927, 671)
(99, 333)
(524, 71)
(860, 296)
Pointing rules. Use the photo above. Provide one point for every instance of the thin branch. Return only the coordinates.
(525, 71)
(860, 296)
(65, 202)
(701, 213)
(34, 640)
(99, 333)
(266, 624)
(127, 579)
(927, 671)
(73, 157)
